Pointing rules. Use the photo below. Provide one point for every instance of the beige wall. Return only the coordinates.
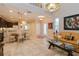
(37, 27)
(32, 28)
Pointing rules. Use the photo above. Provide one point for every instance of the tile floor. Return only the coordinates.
(32, 47)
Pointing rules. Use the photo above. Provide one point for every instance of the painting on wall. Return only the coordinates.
(71, 22)
(50, 25)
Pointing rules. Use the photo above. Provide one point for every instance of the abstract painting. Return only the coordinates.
(71, 22)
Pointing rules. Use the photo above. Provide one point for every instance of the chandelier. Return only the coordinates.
(52, 6)
(48, 6)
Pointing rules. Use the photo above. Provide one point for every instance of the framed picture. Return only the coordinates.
(71, 22)
(50, 25)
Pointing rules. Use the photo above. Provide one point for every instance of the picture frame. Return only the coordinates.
(71, 22)
(50, 25)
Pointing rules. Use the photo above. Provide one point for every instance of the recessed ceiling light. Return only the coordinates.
(51, 10)
(10, 11)
(23, 22)
(41, 19)
(41, 16)
(25, 13)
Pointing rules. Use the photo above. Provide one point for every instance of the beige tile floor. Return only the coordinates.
(32, 47)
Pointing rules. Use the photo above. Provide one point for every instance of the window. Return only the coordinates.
(56, 24)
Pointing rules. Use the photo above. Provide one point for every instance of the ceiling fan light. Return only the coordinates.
(10, 11)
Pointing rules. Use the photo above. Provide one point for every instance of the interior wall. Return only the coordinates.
(44, 27)
(32, 29)
(66, 9)
(39, 28)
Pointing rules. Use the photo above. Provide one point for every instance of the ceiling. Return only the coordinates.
(12, 12)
